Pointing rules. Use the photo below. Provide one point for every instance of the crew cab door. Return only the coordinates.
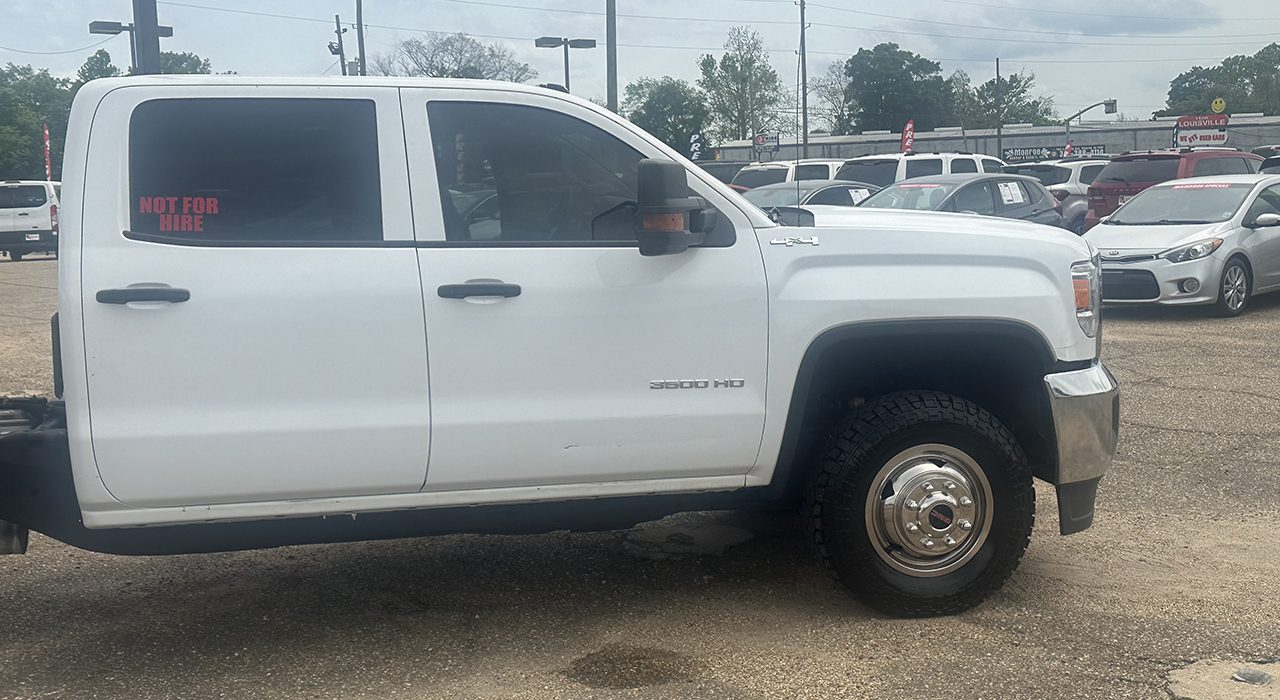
(573, 359)
(252, 309)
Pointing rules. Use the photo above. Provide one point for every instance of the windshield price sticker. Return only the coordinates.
(918, 185)
(859, 194)
(1010, 193)
(1203, 186)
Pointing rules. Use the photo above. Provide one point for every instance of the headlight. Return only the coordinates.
(1195, 251)
(1086, 279)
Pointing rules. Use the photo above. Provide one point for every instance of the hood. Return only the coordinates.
(889, 220)
(1108, 237)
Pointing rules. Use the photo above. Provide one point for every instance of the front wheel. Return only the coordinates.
(923, 504)
(15, 257)
(1234, 289)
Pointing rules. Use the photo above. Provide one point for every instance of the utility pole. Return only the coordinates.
(342, 54)
(999, 113)
(611, 53)
(146, 36)
(804, 89)
(360, 35)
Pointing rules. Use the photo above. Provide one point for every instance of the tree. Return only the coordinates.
(174, 63)
(743, 91)
(30, 99)
(988, 106)
(97, 66)
(891, 86)
(835, 108)
(452, 56)
(668, 108)
(1247, 83)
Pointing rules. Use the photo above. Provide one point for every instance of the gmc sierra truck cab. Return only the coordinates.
(296, 311)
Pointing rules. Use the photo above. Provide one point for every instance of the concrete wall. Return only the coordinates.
(1114, 137)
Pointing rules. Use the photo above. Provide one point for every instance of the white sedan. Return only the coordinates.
(1207, 240)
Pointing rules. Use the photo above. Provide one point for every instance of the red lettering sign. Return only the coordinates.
(1204, 121)
(167, 207)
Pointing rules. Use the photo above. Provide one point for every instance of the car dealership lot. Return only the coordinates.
(1179, 567)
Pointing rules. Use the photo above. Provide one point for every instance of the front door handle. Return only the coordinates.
(478, 289)
(131, 294)
(24, 213)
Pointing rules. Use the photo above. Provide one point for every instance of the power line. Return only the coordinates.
(593, 13)
(1007, 8)
(52, 53)
(1018, 41)
(1037, 31)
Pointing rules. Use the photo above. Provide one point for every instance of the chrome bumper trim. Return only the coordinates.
(1086, 420)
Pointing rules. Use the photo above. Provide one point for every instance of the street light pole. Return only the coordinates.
(113, 28)
(1110, 109)
(611, 54)
(551, 42)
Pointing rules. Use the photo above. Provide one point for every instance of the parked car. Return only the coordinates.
(628, 339)
(1270, 166)
(1006, 196)
(841, 193)
(758, 174)
(1206, 240)
(28, 217)
(887, 168)
(722, 170)
(1130, 173)
(1266, 151)
(1068, 180)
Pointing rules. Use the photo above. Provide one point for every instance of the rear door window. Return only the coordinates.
(1220, 166)
(990, 166)
(271, 171)
(880, 173)
(964, 165)
(28, 196)
(812, 172)
(838, 196)
(756, 178)
(923, 167)
(976, 198)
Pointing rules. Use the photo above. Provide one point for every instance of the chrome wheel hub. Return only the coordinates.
(1234, 287)
(929, 510)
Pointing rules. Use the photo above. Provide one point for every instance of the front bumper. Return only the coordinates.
(1168, 276)
(1086, 421)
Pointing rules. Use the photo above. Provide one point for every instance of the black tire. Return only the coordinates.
(1225, 306)
(1076, 226)
(861, 447)
(15, 257)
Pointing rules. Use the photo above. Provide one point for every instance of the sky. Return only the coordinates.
(1081, 51)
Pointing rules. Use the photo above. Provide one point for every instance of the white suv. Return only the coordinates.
(884, 169)
(1068, 179)
(772, 173)
(28, 217)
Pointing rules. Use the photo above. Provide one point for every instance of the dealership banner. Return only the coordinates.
(1017, 155)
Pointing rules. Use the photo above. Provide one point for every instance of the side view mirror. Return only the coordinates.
(668, 220)
(1265, 220)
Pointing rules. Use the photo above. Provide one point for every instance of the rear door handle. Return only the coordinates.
(24, 213)
(131, 294)
(478, 289)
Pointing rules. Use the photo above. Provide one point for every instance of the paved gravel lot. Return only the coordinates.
(1180, 567)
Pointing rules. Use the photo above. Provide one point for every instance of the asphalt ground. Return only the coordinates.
(1180, 568)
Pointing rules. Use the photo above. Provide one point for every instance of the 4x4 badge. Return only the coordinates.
(794, 240)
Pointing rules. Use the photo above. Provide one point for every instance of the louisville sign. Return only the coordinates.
(1203, 121)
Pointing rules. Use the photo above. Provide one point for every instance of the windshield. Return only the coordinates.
(1046, 174)
(911, 195)
(1190, 203)
(873, 172)
(787, 194)
(1127, 172)
(756, 178)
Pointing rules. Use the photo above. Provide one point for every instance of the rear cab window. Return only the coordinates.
(254, 171)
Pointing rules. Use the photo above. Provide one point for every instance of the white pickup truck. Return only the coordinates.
(451, 306)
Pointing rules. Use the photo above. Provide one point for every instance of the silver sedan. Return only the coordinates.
(1207, 240)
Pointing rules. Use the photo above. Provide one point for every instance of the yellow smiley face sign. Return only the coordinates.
(1218, 105)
